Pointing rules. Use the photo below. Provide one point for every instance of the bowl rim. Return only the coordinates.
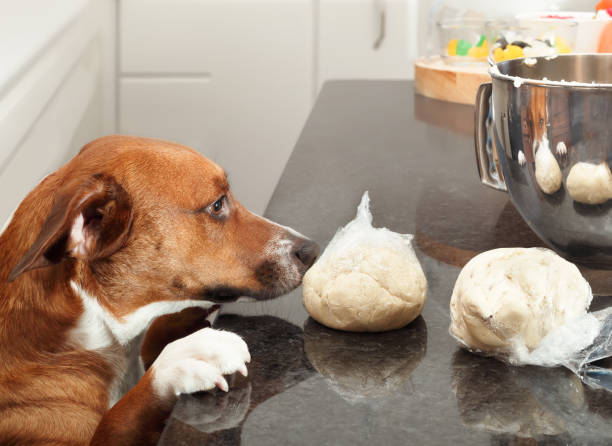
(495, 73)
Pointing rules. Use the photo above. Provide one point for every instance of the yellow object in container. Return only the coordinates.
(511, 52)
(561, 46)
(452, 47)
(498, 54)
(478, 52)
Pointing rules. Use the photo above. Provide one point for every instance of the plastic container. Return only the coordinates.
(529, 37)
(463, 41)
(589, 26)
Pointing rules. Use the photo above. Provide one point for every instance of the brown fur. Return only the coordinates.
(151, 241)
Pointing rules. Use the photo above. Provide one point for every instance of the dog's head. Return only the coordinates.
(138, 221)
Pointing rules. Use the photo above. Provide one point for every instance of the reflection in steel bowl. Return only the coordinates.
(538, 116)
(365, 365)
(479, 229)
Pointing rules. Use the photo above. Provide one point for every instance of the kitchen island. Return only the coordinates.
(309, 385)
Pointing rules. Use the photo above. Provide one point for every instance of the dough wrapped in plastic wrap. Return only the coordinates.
(368, 279)
(528, 306)
(505, 301)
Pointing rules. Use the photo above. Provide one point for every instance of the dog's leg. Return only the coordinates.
(171, 327)
(137, 418)
(191, 364)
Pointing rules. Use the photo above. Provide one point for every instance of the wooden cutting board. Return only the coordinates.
(435, 79)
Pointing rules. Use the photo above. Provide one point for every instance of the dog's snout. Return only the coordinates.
(306, 251)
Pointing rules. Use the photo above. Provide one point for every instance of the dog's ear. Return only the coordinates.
(87, 221)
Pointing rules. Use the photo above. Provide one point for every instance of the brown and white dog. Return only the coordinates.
(129, 230)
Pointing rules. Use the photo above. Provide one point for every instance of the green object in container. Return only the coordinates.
(463, 46)
(481, 41)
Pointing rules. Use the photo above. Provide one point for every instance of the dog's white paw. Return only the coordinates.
(199, 361)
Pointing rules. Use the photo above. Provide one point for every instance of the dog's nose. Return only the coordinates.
(306, 251)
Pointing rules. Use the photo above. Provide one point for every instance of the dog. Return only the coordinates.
(129, 230)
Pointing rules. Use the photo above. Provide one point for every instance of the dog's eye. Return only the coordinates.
(218, 208)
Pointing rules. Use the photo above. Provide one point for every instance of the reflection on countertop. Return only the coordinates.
(357, 366)
(365, 365)
(278, 363)
(535, 403)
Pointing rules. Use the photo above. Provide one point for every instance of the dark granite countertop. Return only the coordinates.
(311, 385)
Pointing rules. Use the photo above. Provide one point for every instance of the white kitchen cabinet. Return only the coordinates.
(52, 102)
(233, 79)
(367, 39)
(174, 109)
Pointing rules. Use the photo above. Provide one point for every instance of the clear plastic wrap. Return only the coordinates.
(359, 233)
(579, 345)
(584, 362)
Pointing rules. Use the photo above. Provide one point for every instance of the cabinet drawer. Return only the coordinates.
(248, 128)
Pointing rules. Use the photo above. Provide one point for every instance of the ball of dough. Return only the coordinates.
(367, 288)
(547, 171)
(510, 298)
(590, 183)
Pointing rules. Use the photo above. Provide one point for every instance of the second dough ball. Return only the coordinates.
(590, 183)
(508, 299)
(368, 279)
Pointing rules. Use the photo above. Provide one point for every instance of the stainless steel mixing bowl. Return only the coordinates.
(529, 103)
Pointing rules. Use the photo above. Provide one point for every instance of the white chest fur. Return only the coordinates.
(99, 328)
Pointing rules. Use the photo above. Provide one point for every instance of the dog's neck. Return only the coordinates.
(98, 327)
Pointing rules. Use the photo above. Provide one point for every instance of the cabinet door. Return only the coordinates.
(233, 79)
(61, 99)
(361, 39)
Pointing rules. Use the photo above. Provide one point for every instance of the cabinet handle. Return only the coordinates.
(382, 23)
